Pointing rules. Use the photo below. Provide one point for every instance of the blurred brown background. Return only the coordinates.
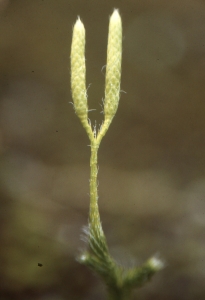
(152, 160)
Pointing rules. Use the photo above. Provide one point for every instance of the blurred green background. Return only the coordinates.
(152, 160)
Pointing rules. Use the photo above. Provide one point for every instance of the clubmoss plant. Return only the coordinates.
(119, 281)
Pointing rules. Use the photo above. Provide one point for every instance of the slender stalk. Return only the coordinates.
(94, 216)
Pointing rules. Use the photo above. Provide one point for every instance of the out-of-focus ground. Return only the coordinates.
(152, 160)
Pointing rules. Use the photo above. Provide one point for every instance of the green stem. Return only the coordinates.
(96, 231)
(118, 295)
(94, 216)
